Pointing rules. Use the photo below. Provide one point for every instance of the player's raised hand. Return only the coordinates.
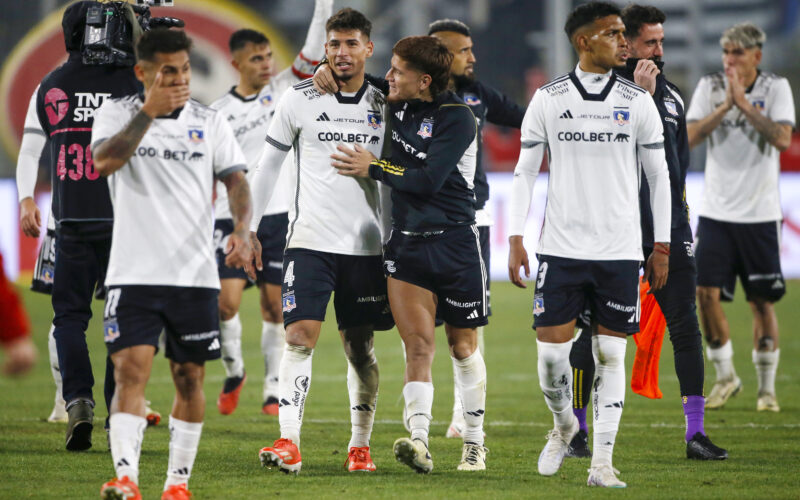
(161, 99)
(30, 219)
(239, 250)
(324, 81)
(353, 162)
(517, 257)
(735, 88)
(657, 268)
(645, 75)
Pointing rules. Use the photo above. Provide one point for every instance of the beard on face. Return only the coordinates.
(463, 80)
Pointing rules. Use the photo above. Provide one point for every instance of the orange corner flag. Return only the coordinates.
(644, 378)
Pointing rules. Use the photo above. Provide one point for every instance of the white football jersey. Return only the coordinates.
(742, 168)
(249, 117)
(330, 212)
(163, 217)
(592, 124)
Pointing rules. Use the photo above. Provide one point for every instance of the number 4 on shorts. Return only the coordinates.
(288, 278)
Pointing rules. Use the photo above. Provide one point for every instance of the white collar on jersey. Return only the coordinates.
(592, 81)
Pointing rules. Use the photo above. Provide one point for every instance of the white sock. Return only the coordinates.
(766, 366)
(362, 384)
(481, 345)
(54, 369)
(472, 379)
(722, 357)
(230, 333)
(125, 435)
(273, 338)
(419, 402)
(608, 396)
(293, 384)
(183, 440)
(458, 410)
(555, 379)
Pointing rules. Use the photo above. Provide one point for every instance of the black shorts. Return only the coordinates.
(136, 315)
(450, 265)
(272, 236)
(726, 250)
(310, 276)
(568, 288)
(222, 231)
(485, 234)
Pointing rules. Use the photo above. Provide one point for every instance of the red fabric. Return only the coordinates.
(644, 377)
(13, 320)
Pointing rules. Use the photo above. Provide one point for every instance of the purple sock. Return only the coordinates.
(694, 410)
(581, 414)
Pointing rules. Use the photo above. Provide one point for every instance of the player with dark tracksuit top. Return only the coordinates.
(81, 207)
(433, 256)
(645, 35)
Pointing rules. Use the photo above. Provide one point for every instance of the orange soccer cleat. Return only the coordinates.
(271, 406)
(229, 397)
(153, 417)
(176, 492)
(120, 489)
(283, 454)
(358, 460)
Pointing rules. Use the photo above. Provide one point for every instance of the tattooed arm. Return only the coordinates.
(239, 250)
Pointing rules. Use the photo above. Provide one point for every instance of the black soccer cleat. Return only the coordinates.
(79, 426)
(701, 448)
(579, 446)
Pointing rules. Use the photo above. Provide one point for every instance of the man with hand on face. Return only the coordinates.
(161, 152)
(644, 32)
(748, 116)
(249, 107)
(433, 257)
(597, 127)
(334, 238)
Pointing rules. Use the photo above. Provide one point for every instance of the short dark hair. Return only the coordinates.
(349, 19)
(635, 16)
(242, 37)
(163, 40)
(429, 56)
(587, 14)
(453, 25)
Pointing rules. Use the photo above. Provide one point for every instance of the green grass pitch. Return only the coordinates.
(764, 447)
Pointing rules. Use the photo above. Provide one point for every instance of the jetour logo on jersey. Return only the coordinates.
(196, 135)
(56, 104)
(621, 116)
(374, 119)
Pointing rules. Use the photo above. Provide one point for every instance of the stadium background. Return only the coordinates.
(519, 45)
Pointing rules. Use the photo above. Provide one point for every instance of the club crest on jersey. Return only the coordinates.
(266, 100)
(47, 274)
(426, 128)
(759, 104)
(471, 100)
(671, 108)
(621, 117)
(374, 119)
(196, 135)
(289, 303)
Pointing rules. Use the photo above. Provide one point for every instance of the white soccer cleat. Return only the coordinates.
(767, 402)
(604, 476)
(455, 430)
(413, 453)
(555, 450)
(473, 457)
(722, 391)
(59, 413)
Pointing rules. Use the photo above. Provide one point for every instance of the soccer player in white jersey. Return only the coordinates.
(748, 116)
(334, 239)
(161, 152)
(249, 107)
(595, 126)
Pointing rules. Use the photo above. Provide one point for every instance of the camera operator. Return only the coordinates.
(98, 68)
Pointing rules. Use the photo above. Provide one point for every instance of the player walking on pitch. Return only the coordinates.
(161, 153)
(594, 124)
(748, 116)
(334, 241)
(249, 107)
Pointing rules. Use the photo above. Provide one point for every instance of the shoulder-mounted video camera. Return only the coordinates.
(110, 34)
